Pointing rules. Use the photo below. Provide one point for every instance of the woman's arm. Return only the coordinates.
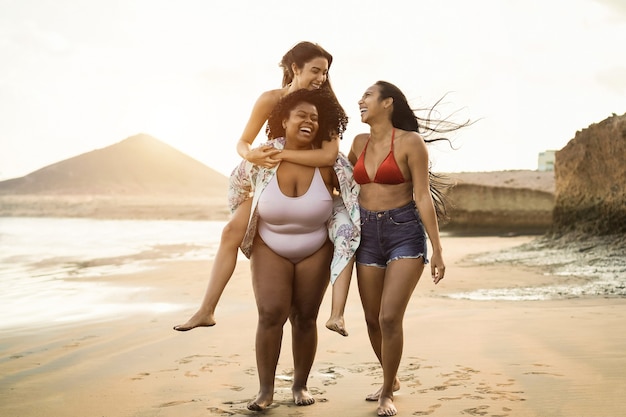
(323, 157)
(417, 158)
(263, 155)
(357, 147)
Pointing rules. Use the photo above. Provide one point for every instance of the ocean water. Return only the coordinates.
(49, 266)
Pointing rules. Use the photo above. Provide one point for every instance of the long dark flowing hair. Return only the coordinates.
(405, 117)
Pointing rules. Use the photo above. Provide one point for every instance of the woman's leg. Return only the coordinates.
(371, 282)
(272, 281)
(223, 268)
(339, 299)
(311, 280)
(401, 278)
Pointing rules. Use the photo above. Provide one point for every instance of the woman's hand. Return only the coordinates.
(264, 156)
(437, 267)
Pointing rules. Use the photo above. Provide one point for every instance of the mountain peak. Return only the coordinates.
(139, 164)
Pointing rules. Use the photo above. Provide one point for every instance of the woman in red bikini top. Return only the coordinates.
(397, 211)
(388, 171)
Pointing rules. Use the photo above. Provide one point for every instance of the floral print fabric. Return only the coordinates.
(248, 181)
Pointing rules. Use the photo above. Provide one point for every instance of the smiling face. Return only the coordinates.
(371, 106)
(312, 75)
(301, 126)
(368, 103)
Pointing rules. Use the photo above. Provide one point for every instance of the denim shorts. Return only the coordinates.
(390, 235)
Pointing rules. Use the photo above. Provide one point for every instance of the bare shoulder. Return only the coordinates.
(270, 98)
(408, 136)
(409, 141)
(359, 142)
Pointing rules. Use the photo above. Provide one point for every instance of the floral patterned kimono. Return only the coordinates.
(344, 227)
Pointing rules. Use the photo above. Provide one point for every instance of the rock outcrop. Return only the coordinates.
(590, 180)
(501, 202)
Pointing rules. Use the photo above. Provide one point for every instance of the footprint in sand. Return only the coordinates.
(500, 394)
(221, 411)
(541, 365)
(239, 402)
(428, 412)
(173, 403)
(481, 410)
(187, 359)
(466, 384)
(356, 369)
(505, 384)
(234, 387)
(474, 397)
(542, 373)
(329, 375)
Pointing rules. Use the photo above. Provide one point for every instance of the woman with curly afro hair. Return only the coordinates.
(295, 209)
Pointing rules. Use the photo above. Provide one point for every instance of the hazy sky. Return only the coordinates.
(81, 75)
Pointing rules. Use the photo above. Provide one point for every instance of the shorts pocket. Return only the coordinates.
(404, 217)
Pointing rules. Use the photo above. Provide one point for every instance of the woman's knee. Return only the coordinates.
(390, 323)
(303, 321)
(232, 233)
(272, 317)
(372, 322)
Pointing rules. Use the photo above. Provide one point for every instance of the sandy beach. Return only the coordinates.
(462, 357)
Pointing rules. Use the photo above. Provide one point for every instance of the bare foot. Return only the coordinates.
(375, 396)
(261, 402)
(302, 396)
(386, 407)
(200, 319)
(337, 325)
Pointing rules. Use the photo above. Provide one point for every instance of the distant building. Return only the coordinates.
(546, 161)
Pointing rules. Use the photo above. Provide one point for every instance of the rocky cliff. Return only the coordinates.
(590, 180)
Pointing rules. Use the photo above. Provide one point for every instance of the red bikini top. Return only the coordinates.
(388, 172)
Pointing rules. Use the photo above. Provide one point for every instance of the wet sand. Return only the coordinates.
(563, 357)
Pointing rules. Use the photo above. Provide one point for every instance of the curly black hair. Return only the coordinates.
(332, 118)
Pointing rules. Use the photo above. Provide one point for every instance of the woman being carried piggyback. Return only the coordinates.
(305, 66)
